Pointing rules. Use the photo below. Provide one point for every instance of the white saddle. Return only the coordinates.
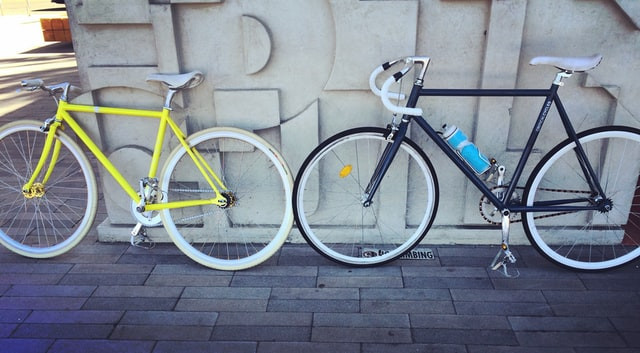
(573, 64)
(179, 81)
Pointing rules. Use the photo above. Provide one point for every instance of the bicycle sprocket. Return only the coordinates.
(493, 215)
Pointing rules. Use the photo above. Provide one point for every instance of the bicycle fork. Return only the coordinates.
(50, 151)
(395, 137)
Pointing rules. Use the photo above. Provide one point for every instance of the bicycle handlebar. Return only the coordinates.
(374, 75)
(65, 88)
(32, 85)
(384, 93)
(396, 108)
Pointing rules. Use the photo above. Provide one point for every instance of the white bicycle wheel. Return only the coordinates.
(588, 240)
(329, 193)
(56, 217)
(258, 218)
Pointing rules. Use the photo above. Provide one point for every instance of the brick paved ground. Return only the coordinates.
(115, 298)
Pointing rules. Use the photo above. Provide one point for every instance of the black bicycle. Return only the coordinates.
(368, 195)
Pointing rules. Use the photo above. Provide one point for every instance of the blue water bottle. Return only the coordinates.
(466, 149)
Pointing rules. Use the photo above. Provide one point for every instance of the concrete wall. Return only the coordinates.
(296, 72)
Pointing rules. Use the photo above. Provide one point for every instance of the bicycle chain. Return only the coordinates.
(484, 200)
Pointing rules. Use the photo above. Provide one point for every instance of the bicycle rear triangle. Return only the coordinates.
(374, 188)
(223, 194)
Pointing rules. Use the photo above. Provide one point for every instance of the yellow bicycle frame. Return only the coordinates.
(63, 116)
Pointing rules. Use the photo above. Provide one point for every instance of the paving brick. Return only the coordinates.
(74, 317)
(539, 284)
(287, 271)
(513, 349)
(405, 294)
(166, 331)
(184, 280)
(109, 279)
(495, 308)
(226, 293)
(591, 296)
(551, 323)
(308, 347)
(261, 333)
(343, 271)
(50, 291)
(162, 304)
(315, 293)
(469, 251)
(101, 346)
(7, 329)
(112, 269)
(314, 305)
(528, 273)
(631, 338)
(264, 319)
(413, 348)
(63, 331)
(502, 296)
(97, 258)
(360, 334)
(615, 284)
(360, 281)
(471, 322)
(14, 316)
(448, 282)
(20, 345)
(41, 303)
(607, 309)
(459, 336)
(242, 305)
(360, 320)
(31, 268)
(570, 339)
(31, 278)
(463, 272)
(273, 281)
(138, 291)
(407, 306)
(153, 258)
(88, 245)
(631, 323)
(173, 318)
(205, 347)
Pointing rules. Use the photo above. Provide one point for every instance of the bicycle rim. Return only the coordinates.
(588, 240)
(55, 220)
(258, 218)
(328, 195)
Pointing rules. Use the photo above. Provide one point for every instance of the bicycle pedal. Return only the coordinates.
(140, 239)
(503, 266)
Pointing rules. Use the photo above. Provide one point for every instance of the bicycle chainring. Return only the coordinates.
(493, 215)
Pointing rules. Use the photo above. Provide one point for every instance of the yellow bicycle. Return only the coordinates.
(223, 194)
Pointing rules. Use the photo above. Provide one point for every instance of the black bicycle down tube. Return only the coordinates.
(457, 160)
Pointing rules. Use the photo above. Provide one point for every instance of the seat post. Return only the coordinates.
(561, 75)
(170, 95)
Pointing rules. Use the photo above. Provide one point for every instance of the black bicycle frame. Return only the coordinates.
(551, 98)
